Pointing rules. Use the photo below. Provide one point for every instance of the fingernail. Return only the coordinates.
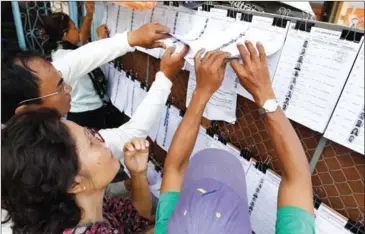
(147, 143)
(239, 44)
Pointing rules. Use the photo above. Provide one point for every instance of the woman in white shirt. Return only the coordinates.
(90, 106)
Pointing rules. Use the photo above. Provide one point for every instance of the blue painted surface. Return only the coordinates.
(97, 19)
(72, 6)
(18, 24)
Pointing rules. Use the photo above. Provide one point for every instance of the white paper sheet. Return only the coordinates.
(263, 25)
(160, 15)
(137, 19)
(260, 29)
(221, 106)
(321, 63)
(223, 40)
(154, 130)
(263, 216)
(253, 178)
(123, 23)
(349, 112)
(171, 19)
(112, 83)
(217, 20)
(128, 108)
(154, 180)
(110, 17)
(328, 222)
(245, 164)
(138, 95)
(169, 122)
(195, 27)
(120, 97)
(143, 17)
(200, 141)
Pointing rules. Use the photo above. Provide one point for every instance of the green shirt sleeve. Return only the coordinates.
(165, 207)
(292, 220)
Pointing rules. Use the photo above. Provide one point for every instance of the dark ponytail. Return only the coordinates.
(55, 25)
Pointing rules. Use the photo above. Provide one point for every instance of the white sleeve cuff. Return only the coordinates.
(161, 79)
(121, 37)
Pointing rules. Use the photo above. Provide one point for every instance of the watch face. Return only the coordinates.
(271, 105)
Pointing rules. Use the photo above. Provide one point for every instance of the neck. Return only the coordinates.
(91, 206)
(68, 45)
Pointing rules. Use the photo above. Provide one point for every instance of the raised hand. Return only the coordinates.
(254, 74)
(209, 71)
(90, 8)
(172, 64)
(148, 35)
(136, 155)
(102, 31)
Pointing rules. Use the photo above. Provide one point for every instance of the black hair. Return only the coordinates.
(18, 81)
(38, 164)
(55, 25)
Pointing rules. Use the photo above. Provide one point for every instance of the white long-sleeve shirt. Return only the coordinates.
(75, 64)
(83, 95)
(81, 61)
(143, 119)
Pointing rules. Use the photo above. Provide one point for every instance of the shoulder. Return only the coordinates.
(165, 208)
(292, 219)
(59, 53)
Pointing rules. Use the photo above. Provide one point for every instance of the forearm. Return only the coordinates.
(141, 196)
(184, 139)
(90, 56)
(296, 186)
(85, 29)
(287, 145)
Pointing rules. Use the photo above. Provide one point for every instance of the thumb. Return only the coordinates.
(170, 50)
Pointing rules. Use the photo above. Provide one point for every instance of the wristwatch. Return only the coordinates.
(270, 105)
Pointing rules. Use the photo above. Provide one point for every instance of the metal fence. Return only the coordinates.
(28, 17)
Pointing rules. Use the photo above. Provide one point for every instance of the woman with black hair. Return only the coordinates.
(89, 106)
(54, 174)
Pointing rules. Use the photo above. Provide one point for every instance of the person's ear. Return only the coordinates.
(26, 107)
(20, 109)
(65, 36)
(78, 185)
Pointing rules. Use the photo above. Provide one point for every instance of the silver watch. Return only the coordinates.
(270, 105)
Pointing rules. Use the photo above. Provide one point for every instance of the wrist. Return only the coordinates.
(138, 174)
(88, 16)
(167, 74)
(202, 95)
(132, 39)
(261, 98)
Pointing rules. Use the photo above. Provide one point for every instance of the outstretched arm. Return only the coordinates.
(210, 74)
(92, 55)
(149, 111)
(296, 186)
(85, 28)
